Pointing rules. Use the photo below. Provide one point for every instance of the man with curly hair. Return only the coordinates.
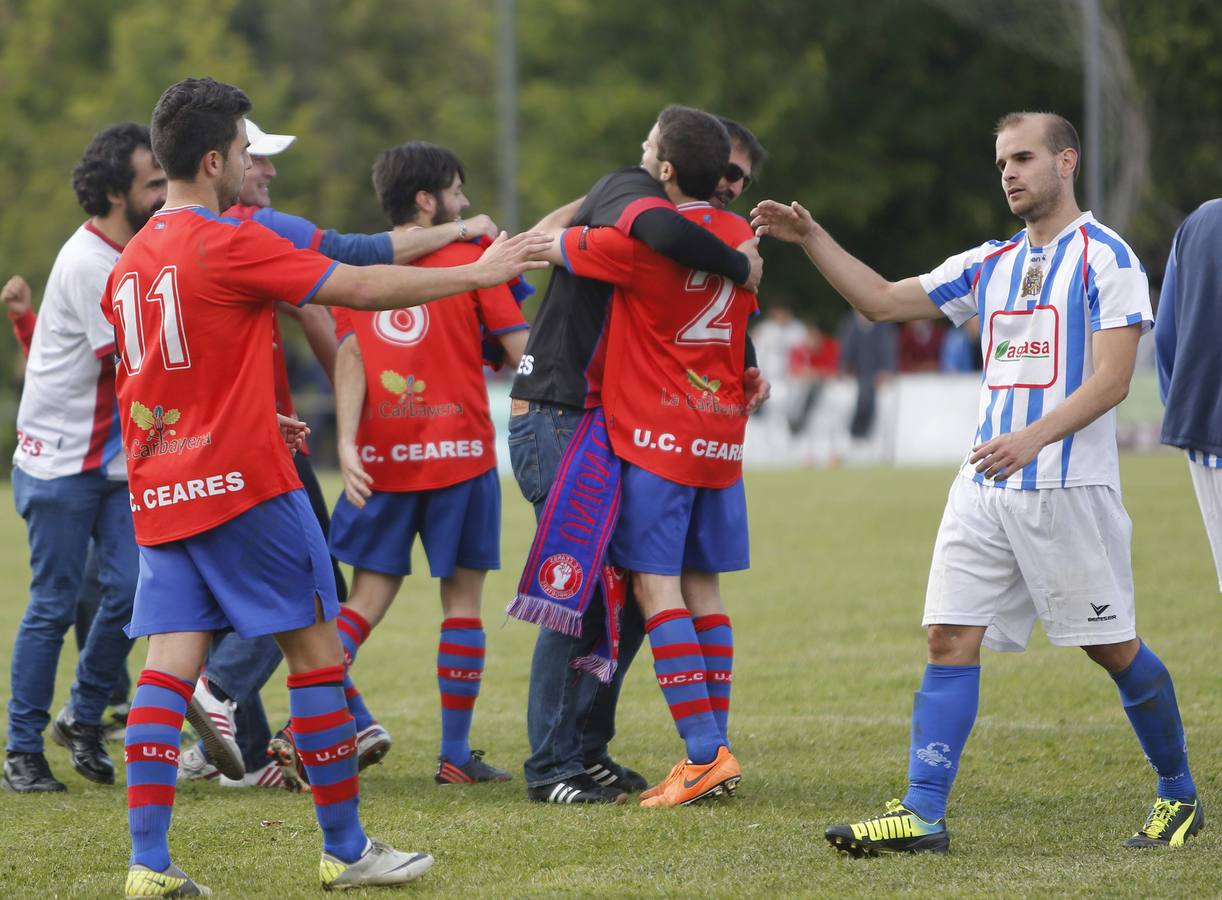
(69, 478)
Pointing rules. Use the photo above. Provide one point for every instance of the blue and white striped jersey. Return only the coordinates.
(1038, 308)
(1201, 458)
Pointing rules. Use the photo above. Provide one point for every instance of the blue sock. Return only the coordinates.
(460, 668)
(679, 665)
(943, 713)
(1149, 700)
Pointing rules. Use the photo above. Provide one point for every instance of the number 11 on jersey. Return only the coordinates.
(129, 309)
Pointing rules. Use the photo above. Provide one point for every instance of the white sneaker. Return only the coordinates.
(380, 864)
(371, 745)
(213, 721)
(194, 766)
(269, 776)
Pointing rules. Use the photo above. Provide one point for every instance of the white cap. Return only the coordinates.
(264, 144)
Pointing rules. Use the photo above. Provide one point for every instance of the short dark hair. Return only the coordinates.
(106, 166)
(192, 117)
(400, 172)
(697, 145)
(742, 138)
(1059, 133)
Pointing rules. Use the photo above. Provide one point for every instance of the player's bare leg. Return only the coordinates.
(702, 594)
(151, 746)
(709, 769)
(1148, 695)
(460, 670)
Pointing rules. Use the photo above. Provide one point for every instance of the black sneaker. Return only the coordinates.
(577, 789)
(86, 746)
(473, 771)
(609, 773)
(1170, 823)
(28, 773)
(897, 830)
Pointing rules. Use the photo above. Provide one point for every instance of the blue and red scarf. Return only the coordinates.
(567, 559)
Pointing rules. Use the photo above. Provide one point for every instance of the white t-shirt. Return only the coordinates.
(68, 421)
(1038, 308)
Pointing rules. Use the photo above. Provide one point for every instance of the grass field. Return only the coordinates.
(829, 651)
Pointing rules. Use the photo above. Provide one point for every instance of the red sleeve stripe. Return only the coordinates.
(635, 208)
(666, 615)
(326, 794)
(446, 672)
(310, 724)
(318, 677)
(704, 623)
(155, 715)
(328, 755)
(445, 647)
(453, 701)
(690, 708)
(674, 651)
(170, 682)
(149, 795)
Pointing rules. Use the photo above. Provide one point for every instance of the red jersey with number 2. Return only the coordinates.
(192, 301)
(425, 422)
(673, 390)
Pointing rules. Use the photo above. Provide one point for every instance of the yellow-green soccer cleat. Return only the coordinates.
(143, 882)
(1170, 823)
(898, 830)
(380, 864)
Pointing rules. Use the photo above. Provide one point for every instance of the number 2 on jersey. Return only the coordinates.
(706, 327)
(128, 307)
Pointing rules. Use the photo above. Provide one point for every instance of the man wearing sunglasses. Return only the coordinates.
(747, 156)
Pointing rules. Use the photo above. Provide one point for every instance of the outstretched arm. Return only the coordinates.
(412, 243)
(876, 298)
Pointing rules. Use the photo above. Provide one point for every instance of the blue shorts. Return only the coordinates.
(459, 525)
(258, 574)
(665, 527)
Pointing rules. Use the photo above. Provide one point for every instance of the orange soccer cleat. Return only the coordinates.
(689, 782)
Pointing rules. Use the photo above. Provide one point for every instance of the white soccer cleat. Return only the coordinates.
(372, 744)
(194, 766)
(213, 721)
(269, 776)
(380, 864)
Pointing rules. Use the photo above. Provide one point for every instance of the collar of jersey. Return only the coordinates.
(695, 204)
(1069, 229)
(165, 211)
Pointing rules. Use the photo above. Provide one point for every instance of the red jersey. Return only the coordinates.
(673, 391)
(192, 300)
(425, 422)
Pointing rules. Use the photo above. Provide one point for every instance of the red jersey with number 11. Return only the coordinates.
(673, 388)
(192, 300)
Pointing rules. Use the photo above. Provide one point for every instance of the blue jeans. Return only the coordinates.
(61, 515)
(87, 603)
(570, 715)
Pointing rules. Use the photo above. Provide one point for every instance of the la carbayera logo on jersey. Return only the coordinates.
(706, 400)
(160, 439)
(410, 402)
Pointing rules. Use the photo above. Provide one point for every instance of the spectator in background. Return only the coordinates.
(920, 346)
(868, 352)
(961, 349)
(811, 363)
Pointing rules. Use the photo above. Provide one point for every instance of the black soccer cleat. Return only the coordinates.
(1170, 823)
(609, 773)
(473, 771)
(577, 789)
(897, 830)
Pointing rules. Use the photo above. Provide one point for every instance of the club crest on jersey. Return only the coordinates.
(155, 421)
(560, 576)
(404, 387)
(703, 382)
(1033, 280)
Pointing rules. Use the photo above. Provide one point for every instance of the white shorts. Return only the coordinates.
(1005, 557)
(1207, 482)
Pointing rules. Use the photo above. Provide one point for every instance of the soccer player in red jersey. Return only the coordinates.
(416, 447)
(676, 414)
(226, 536)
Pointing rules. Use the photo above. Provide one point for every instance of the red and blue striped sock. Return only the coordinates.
(325, 736)
(679, 665)
(150, 749)
(460, 668)
(717, 646)
(353, 630)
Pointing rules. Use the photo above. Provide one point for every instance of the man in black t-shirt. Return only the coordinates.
(570, 714)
